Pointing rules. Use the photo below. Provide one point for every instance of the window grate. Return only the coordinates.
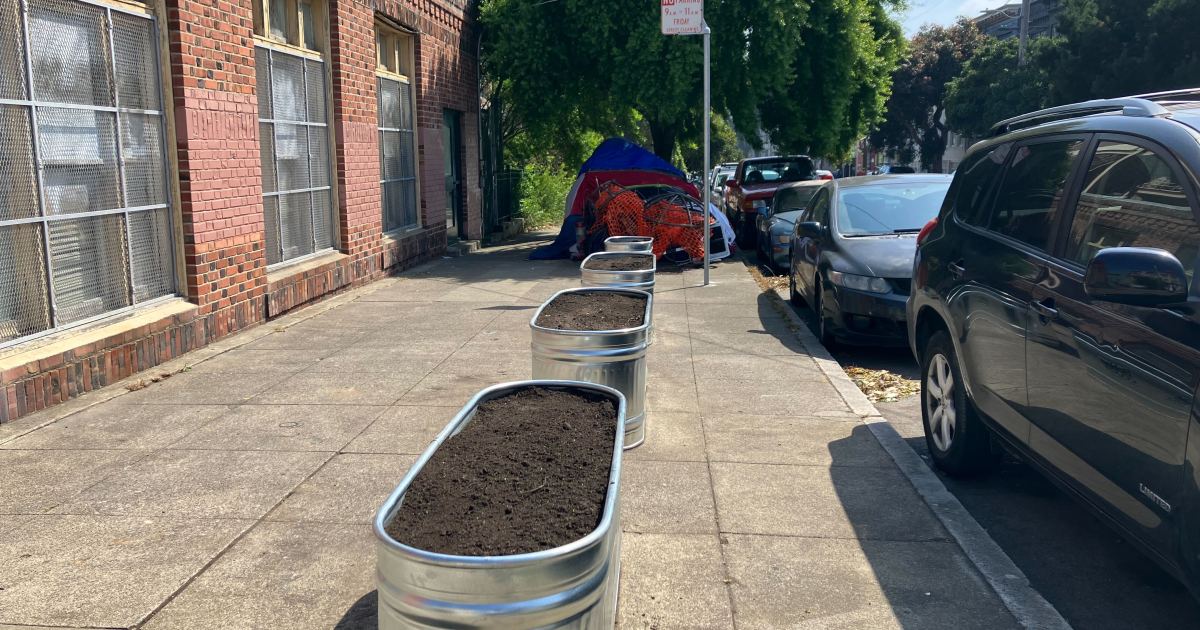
(397, 155)
(85, 213)
(294, 143)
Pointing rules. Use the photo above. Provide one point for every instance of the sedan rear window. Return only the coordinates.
(892, 208)
(793, 170)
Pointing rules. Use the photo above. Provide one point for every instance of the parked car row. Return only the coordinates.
(1051, 300)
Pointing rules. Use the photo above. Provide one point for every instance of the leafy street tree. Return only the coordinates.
(914, 120)
(993, 87)
(813, 74)
(1122, 47)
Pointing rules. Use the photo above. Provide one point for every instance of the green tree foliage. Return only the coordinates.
(914, 120)
(1122, 47)
(814, 74)
(544, 189)
(993, 87)
(723, 146)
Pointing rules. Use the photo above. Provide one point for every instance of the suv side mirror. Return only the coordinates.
(1141, 276)
(731, 183)
(811, 229)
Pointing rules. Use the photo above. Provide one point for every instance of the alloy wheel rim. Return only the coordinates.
(939, 402)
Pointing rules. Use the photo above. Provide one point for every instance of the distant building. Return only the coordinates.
(1004, 22)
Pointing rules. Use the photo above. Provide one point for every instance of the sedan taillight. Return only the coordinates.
(926, 230)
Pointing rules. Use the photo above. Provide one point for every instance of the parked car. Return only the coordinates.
(750, 189)
(1056, 311)
(824, 174)
(896, 169)
(717, 183)
(852, 253)
(775, 226)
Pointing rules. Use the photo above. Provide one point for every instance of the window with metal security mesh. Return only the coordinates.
(85, 217)
(397, 140)
(294, 143)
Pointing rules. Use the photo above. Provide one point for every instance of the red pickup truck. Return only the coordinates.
(748, 192)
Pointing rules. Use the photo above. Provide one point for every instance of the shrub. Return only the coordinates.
(544, 190)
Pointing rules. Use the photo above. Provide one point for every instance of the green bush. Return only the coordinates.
(544, 192)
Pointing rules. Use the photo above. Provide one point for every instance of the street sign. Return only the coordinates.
(682, 17)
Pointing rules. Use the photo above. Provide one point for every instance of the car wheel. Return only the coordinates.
(762, 256)
(824, 325)
(793, 293)
(958, 441)
(745, 237)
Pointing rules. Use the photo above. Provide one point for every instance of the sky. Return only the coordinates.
(942, 11)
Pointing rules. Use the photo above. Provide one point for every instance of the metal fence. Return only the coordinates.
(85, 218)
(294, 141)
(397, 155)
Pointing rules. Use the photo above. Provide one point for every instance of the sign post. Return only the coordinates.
(686, 17)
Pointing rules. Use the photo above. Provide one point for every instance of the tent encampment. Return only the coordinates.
(626, 164)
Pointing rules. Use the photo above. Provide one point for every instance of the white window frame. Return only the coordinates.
(395, 60)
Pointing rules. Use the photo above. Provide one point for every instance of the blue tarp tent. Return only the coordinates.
(619, 154)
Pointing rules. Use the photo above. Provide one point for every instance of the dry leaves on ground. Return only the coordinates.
(881, 385)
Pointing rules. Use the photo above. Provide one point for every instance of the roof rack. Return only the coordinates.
(1173, 97)
(1128, 106)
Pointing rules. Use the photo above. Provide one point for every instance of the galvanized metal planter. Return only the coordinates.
(572, 586)
(641, 279)
(629, 244)
(616, 358)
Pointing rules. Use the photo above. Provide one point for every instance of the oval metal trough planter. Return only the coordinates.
(629, 244)
(616, 358)
(640, 279)
(572, 586)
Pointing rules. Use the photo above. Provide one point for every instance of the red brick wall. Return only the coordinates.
(216, 122)
(213, 98)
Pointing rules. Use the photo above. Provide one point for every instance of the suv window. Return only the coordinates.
(1131, 198)
(973, 182)
(1032, 190)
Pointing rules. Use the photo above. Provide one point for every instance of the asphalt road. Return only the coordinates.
(1088, 572)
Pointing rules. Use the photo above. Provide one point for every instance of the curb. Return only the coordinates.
(1030, 609)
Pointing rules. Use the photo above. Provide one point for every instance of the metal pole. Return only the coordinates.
(704, 174)
(1024, 32)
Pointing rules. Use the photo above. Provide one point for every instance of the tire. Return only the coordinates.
(824, 326)
(793, 293)
(763, 257)
(959, 442)
(746, 233)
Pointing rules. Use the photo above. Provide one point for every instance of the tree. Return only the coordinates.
(992, 87)
(914, 119)
(1122, 47)
(812, 73)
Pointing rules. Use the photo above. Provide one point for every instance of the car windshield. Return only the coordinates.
(891, 208)
(790, 170)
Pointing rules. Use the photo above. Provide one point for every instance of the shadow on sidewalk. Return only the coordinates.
(363, 615)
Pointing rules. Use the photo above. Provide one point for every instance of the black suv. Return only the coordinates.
(1055, 310)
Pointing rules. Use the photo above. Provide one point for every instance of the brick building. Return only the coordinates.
(173, 171)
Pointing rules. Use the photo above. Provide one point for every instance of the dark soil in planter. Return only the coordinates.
(623, 262)
(529, 472)
(598, 310)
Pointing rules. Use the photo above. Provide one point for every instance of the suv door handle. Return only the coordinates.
(1045, 308)
(956, 269)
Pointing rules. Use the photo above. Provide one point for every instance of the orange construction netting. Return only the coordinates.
(673, 220)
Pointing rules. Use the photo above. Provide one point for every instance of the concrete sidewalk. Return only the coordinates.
(238, 492)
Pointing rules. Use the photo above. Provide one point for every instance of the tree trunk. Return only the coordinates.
(664, 136)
